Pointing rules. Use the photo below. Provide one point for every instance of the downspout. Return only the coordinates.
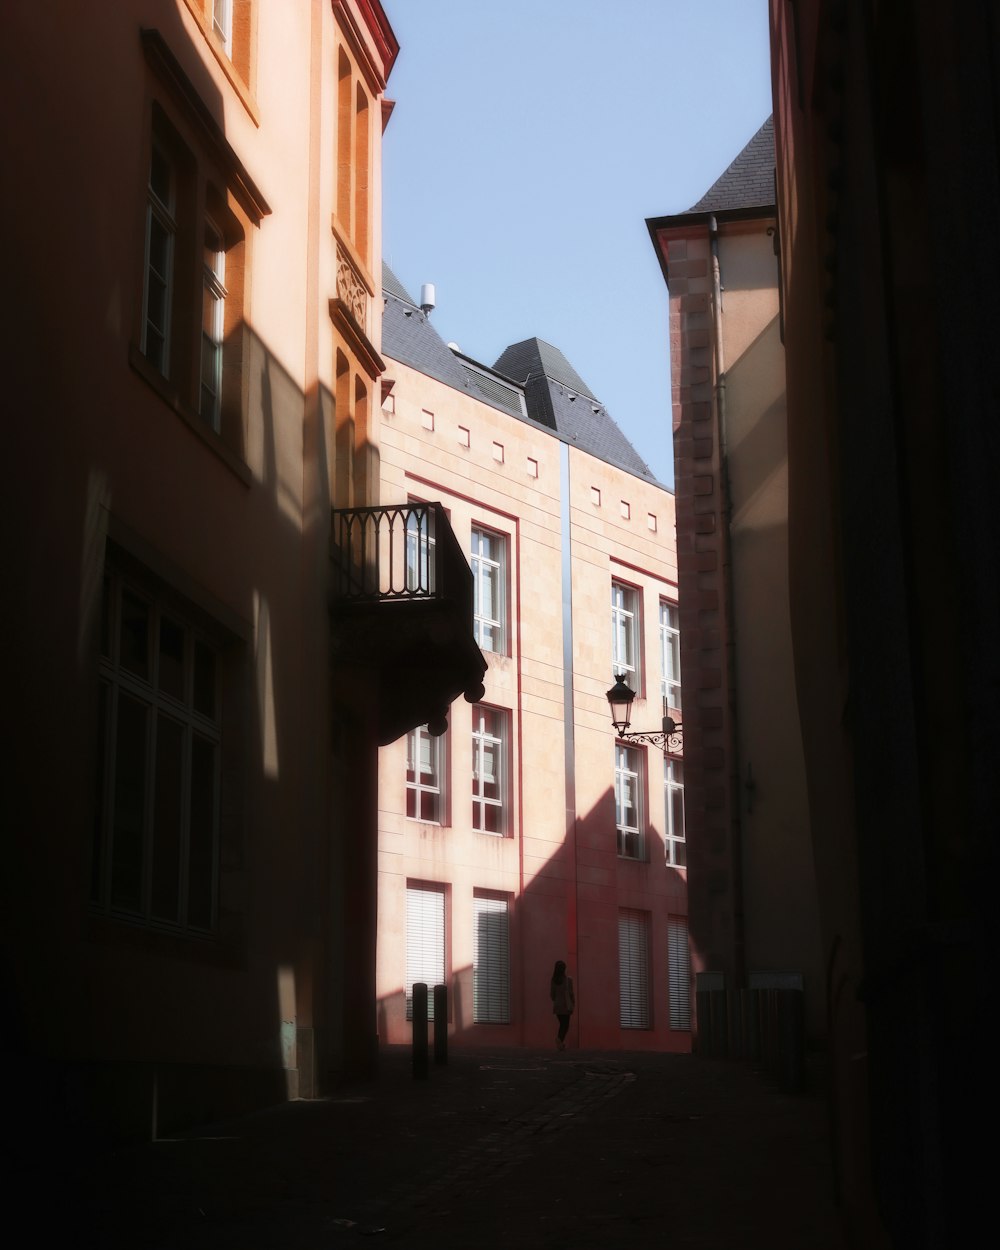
(725, 539)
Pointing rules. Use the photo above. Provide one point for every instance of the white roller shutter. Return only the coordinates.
(491, 961)
(424, 942)
(679, 964)
(633, 969)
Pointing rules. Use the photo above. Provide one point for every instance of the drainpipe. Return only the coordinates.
(736, 828)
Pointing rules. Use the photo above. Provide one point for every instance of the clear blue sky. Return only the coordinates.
(530, 141)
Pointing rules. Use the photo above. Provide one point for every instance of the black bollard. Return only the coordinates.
(440, 1024)
(420, 1031)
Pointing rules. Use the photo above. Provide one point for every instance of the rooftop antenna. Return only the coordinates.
(427, 299)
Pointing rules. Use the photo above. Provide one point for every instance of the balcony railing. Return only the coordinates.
(403, 552)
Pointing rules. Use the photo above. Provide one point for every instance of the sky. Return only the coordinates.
(531, 140)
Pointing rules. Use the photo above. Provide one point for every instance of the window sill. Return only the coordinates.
(158, 383)
(115, 931)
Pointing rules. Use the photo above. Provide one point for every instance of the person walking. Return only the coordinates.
(563, 1001)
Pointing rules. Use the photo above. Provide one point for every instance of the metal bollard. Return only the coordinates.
(420, 1031)
(440, 1024)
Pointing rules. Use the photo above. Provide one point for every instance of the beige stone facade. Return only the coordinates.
(753, 896)
(568, 525)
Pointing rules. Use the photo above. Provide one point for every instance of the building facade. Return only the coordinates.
(190, 802)
(752, 889)
(525, 833)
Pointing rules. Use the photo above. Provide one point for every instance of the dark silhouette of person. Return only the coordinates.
(563, 1001)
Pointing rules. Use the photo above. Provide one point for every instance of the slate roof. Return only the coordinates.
(531, 380)
(749, 180)
(559, 399)
(408, 336)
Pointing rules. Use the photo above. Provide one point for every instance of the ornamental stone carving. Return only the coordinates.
(350, 287)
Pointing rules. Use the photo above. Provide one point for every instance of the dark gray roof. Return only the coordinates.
(408, 336)
(534, 356)
(559, 399)
(531, 380)
(500, 391)
(749, 180)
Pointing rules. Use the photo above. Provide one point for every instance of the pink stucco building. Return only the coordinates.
(525, 833)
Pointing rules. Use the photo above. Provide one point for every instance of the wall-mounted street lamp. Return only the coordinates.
(620, 698)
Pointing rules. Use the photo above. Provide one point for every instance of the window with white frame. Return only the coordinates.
(213, 325)
(491, 959)
(161, 232)
(625, 650)
(222, 23)
(425, 942)
(679, 973)
(628, 808)
(489, 770)
(673, 798)
(670, 656)
(633, 969)
(156, 846)
(190, 344)
(420, 549)
(425, 755)
(489, 577)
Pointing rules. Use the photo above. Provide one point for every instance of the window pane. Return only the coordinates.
(171, 675)
(204, 679)
(160, 177)
(106, 618)
(493, 818)
(201, 842)
(425, 943)
(491, 962)
(130, 804)
(167, 820)
(134, 634)
(159, 255)
(489, 770)
(97, 855)
(633, 969)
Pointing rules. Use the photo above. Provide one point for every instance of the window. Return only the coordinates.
(420, 549)
(424, 776)
(679, 963)
(628, 815)
(213, 324)
(673, 788)
(156, 845)
(633, 969)
(425, 942)
(491, 959)
(161, 230)
(199, 205)
(353, 225)
(222, 23)
(489, 769)
(489, 576)
(227, 27)
(670, 656)
(625, 633)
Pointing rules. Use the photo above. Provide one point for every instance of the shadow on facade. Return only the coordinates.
(116, 1028)
(569, 909)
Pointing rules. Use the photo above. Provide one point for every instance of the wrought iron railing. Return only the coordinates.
(401, 552)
